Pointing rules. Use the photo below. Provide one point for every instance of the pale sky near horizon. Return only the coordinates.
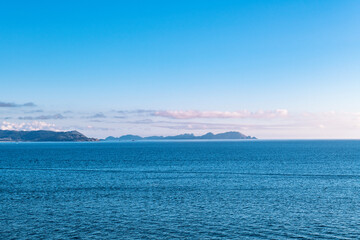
(270, 69)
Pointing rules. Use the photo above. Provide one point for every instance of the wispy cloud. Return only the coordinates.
(227, 127)
(32, 126)
(87, 127)
(142, 121)
(190, 125)
(35, 111)
(137, 111)
(97, 115)
(14, 105)
(191, 114)
(43, 117)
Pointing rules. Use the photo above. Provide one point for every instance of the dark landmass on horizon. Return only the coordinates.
(43, 136)
(75, 136)
(208, 136)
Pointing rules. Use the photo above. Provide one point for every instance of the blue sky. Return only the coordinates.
(273, 69)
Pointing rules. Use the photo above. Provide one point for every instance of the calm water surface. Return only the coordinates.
(184, 190)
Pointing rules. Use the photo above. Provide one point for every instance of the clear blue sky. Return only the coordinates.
(92, 57)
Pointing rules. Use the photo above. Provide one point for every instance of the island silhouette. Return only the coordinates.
(187, 136)
(75, 136)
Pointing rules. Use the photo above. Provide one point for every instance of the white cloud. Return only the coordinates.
(31, 126)
(43, 117)
(279, 113)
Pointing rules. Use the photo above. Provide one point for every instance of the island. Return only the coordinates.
(43, 136)
(209, 136)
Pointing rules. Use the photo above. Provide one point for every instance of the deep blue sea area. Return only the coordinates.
(180, 190)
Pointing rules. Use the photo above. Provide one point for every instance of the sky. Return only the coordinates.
(270, 69)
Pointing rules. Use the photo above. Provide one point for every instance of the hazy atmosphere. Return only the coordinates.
(270, 69)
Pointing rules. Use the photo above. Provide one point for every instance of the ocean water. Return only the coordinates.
(180, 190)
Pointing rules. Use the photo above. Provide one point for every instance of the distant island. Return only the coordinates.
(43, 136)
(75, 136)
(208, 136)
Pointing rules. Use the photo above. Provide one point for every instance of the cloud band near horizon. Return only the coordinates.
(192, 114)
(14, 105)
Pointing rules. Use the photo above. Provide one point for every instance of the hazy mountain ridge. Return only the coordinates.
(43, 136)
(186, 136)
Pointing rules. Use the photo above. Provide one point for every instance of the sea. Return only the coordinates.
(249, 189)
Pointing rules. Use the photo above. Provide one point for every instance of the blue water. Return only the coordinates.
(180, 190)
